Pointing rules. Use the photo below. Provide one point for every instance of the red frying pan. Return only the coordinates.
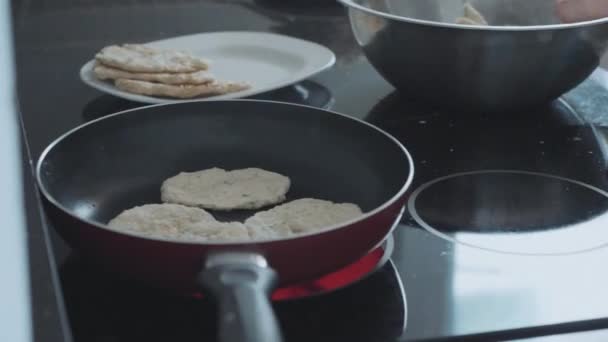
(95, 171)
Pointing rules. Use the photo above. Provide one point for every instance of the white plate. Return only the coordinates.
(265, 60)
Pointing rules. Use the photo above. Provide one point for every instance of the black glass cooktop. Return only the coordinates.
(505, 231)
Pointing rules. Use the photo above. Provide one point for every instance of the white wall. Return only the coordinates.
(15, 321)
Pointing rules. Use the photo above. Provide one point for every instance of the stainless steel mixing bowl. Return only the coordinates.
(525, 58)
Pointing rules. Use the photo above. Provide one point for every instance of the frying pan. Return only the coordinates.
(95, 171)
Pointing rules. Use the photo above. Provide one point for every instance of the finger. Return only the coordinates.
(581, 10)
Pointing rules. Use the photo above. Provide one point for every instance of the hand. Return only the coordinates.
(570, 11)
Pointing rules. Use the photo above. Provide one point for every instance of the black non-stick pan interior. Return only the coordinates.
(120, 161)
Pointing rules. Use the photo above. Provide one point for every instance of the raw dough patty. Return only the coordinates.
(303, 216)
(174, 221)
(141, 58)
(216, 188)
(182, 91)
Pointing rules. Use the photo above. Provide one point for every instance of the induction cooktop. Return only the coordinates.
(505, 230)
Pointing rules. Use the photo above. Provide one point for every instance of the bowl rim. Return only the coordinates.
(354, 5)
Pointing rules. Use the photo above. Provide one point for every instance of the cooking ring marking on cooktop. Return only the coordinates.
(527, 241)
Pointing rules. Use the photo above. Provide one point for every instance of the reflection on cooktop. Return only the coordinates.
(306, 93)
(555, 206)
(513, 211)
(372, 309)
(553, 140)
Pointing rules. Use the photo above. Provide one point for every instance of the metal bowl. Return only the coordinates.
(524, 58)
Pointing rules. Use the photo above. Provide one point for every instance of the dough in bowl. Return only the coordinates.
(219, 189)
(471, 16)
(303, 216)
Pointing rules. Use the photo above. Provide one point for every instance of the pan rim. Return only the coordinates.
(351, 4)
(232, 243)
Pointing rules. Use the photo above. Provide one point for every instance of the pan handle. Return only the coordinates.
(242, 282)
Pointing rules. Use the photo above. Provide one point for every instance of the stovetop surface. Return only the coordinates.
(506, 231)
